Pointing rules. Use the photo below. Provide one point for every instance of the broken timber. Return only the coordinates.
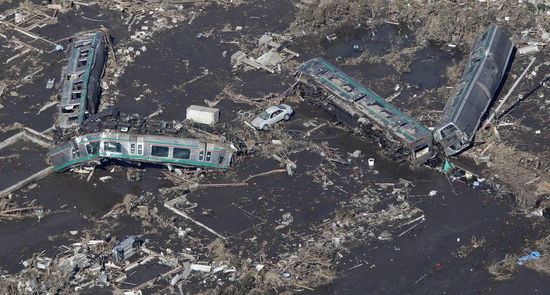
(508, 94)
(37, 176)
(30, 134)
(170, 205)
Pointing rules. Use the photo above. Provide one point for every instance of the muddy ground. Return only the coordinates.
(465, 232)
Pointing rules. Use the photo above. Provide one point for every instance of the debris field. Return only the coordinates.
(305, 204)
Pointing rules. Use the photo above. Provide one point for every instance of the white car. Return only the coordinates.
(272, 115)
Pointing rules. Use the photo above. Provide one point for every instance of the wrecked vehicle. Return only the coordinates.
(272, 115)
(126, 248)
(89, 149)
(482, 76)
(352, 103)
(80, 88)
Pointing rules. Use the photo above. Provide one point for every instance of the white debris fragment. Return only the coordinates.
(176, 279)
(105, 178)
(19, 17)
(259, 267)
(287, 219)
(371, 162)
(432, 193)
(50, 83)
(201, 267)
(73, 232)
(528, 49)
(537, 212)
(219, 268)
(232, 269)
(203, 115)
(385, 236)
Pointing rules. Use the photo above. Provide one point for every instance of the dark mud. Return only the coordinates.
(353, 41)
(428, 68)
(424, 261)
(16, 166)
(421, 262)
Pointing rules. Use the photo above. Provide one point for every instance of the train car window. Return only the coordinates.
(201, 155)
(159, 151)
(76, 152)
(140, 149)
(208, 156)
(77, 86)
(133, 148)
(92, 148)
(221, 158)
(111, 146)
(448, 130)
(182, 153)
(82, 63)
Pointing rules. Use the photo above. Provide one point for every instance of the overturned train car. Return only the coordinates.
(90, 149)
(352, 103)
(471, 98)
(80, 88)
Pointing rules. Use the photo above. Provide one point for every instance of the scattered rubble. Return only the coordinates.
(271, 51)
(168, 228)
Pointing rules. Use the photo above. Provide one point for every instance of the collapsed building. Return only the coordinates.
(352, 103)
(272, 51)
(80, 89)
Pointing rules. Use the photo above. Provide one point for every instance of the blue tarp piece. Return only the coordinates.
(447, 166)
(532, 255)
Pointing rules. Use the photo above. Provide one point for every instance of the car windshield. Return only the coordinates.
(264, 115)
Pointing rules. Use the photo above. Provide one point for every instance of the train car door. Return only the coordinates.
(202, 152)
(136, 145)
(140, 146)
(209, 150)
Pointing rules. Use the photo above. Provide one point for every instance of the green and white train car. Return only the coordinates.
(90, 149)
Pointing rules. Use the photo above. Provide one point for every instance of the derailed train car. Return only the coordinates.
(90, 149)
(80, 88)
(352, 103)
(480, 80)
